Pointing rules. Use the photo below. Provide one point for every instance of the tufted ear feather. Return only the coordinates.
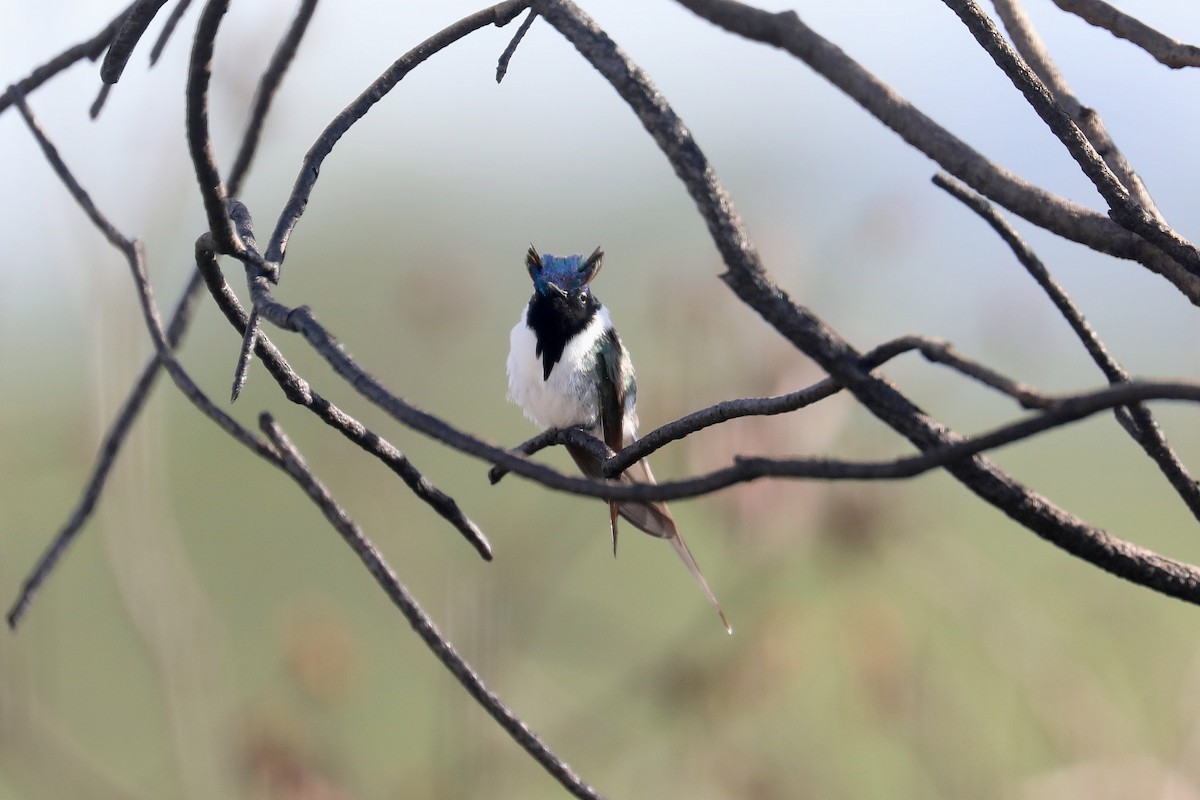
(591, 266)
(533, 261)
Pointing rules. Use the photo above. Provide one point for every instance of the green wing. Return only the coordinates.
(611, 388)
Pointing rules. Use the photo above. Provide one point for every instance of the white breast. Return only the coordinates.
(568, 396)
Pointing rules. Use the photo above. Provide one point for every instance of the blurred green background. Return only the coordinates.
(210, 636)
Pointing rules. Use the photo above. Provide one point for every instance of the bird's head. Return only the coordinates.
(562, 277)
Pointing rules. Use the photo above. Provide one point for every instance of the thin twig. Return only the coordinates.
(1029, 44)
(208, 177)
(1070, 220)
(168, 28)
(499, 15)
(1135, 419)
(90, 49)
(132, 250)
(110, 447)
(1163, 48)
(268, 85)
(101, 98)
(506, 56)
(441, 647)
(1122, 207)
(130, 33)
(298, 391)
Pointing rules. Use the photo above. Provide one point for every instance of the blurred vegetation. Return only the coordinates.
(210, 636)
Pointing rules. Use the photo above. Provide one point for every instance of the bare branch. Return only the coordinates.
(136, 21)
(114, 438)
(1135, 419)
(268, 84)
(1163, 48)
(418, 619)
(132, 250)
(90, 49)
(499, 15)
(750, 282)
(208, 177)
(1029, 44)
(164, 36)
(1122, 207)
(506, 56)
(298, 391)
(1063, 217)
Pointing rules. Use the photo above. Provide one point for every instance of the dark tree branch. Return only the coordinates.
(298, 391)
(750, 282)
(499, 15)
(1163, 48)
(949, 455)
(1029, 44)
(267, 86)
(786, 31)
(1122, 207)
(934, 350)
(130, 33)
(118, 431)
(1136, 419)
(90, 49)
(132, 250)
(264, 95)
(114, 439)
(208, 177)
(164, 36)
(506, 56)
(441, 647)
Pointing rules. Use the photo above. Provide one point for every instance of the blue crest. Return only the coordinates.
(562, 274)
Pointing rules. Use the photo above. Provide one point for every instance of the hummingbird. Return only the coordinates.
(568, 368)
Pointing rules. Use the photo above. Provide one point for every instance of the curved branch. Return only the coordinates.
(90, 49)
(438, 644)
(499, 15)
(750, 282)
(1029, 44)
(1056, 214)
(168, 28)
(297, 390)
(1163, 48)
(132, 28)
(1135, 419)
(1122, 207)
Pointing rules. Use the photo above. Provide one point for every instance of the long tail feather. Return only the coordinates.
(652, 518)
(684, 553)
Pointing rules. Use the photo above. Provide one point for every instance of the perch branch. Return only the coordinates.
(748, 279)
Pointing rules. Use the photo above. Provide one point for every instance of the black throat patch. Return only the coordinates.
(556, 319)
